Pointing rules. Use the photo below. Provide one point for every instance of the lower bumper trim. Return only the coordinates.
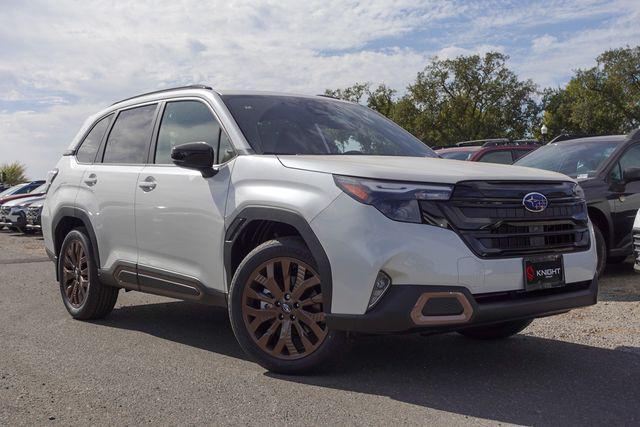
(401, 309)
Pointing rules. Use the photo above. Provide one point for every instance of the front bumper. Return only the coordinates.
(404, 308)
(360, 241)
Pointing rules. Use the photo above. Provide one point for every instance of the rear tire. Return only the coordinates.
(83, 295)
(601, 250)
(276, 308)
(616, 259)
(496, 331)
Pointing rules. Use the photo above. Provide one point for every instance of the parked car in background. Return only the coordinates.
(608, 170)
(28, 189)
(489, 151)
(34, 212)
(13, 214)
(636, 241)
(264, 204)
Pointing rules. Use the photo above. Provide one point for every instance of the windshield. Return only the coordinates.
(39, 189)
(576, 159)
(297, 125)
(11, 190)
(456, 155)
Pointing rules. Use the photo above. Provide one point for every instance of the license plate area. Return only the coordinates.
(543, 272)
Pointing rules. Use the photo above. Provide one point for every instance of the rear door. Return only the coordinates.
(179, 213)
(107, 192)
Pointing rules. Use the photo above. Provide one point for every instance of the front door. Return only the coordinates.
(179, 213)
(627, 201)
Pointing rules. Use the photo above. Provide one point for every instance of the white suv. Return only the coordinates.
(308, 217)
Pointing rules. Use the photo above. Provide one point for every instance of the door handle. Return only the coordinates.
(91, 180)
(148, 184)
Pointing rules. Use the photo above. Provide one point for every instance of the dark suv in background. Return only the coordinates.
(608, 170)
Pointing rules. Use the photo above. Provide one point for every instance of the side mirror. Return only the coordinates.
(631, 174)
(195, 155)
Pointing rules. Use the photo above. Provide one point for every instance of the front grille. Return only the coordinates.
(491, 219)
(33, 215)
(5, 210)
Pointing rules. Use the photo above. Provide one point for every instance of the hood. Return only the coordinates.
(20, 198)
(417, 169)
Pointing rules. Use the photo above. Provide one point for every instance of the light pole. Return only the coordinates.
(543, 131)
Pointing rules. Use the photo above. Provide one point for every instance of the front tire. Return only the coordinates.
(83, 295)
(496, 331)
(601, 250)
(276, 308)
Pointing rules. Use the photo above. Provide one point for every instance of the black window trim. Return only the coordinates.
(151, 155)
(86, 134)
(608, 170)
(103, 146)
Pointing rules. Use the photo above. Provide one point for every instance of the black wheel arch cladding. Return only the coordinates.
(265, 213)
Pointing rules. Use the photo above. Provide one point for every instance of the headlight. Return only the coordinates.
(396, 200)
(578, 191)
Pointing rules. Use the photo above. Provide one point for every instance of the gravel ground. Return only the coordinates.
(157, 360)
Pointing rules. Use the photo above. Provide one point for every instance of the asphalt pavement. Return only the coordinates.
(162, 361)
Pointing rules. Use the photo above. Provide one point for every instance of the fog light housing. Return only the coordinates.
(380, 287)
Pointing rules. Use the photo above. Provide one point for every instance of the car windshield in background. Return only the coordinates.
(456, 155)
(297, 125)
(11, 190)
(39, 189)
(580, 159)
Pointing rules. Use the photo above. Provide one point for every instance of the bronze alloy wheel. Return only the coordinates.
(282, 308)
(75, 274)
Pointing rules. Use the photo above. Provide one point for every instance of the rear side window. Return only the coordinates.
(503, 157)
(87, 151)
(130, 136)
(520, 153)
(185, 121)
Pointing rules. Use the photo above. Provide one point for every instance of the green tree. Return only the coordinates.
(470, 97)
(13, 173)
(604, 99)
(380, 99)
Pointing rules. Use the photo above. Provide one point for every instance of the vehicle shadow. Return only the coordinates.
(522, 380)
(192, 324)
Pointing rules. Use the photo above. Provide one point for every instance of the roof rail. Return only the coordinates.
(165, 90)
(483, 142)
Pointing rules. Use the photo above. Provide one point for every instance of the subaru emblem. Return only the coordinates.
(535, 202)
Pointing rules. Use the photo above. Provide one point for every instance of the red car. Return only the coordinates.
(489, 152)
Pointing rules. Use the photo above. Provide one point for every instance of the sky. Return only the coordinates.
(62, 61)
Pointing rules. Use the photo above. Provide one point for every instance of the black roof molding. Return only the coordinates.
(634, 135)
(165, 90)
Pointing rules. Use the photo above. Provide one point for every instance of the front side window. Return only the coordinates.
(502, 157)
(630, 159)
(87, 151)
(298, 125)
(185, 121)
(128, 140)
